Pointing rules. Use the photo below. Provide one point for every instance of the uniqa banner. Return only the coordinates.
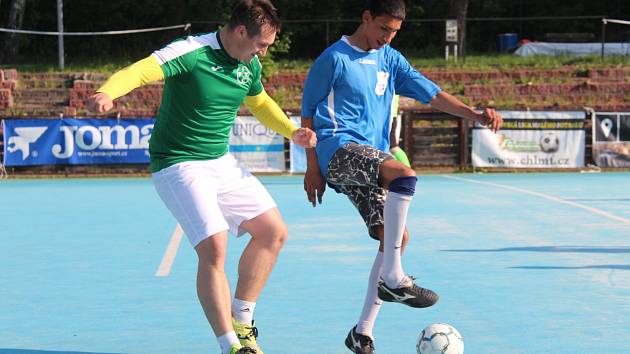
(298, 153)
(611, 139)
(29, 142)
(532, 139)
(256, 147)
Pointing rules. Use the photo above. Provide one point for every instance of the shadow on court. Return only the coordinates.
(598, 266)
(34, 351)
(551, 249)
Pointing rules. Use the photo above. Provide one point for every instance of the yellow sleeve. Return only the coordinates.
(269, 113)
(135, 75)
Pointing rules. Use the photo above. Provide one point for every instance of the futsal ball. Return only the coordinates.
(549, 143)
(440, 338)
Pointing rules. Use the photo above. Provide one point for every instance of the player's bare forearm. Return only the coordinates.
(311, 155)
(314, 184)
(452, 105)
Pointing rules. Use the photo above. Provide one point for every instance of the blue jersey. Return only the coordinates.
(348, 94)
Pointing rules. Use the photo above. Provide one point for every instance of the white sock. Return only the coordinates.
(395, 215)
(372, 303)
(243, 311)
(226, 342)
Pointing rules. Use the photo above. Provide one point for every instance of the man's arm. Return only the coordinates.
(451, 105)
(314, 184)
(269, 113)
(124, 81)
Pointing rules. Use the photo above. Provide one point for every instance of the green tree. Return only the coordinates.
(459, 11)
(10, 48)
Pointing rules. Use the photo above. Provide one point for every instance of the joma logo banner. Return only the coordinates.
(76, 141)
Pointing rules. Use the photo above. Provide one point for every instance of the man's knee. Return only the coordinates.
(274, 236)
(212, 251)
(407, 172)
(405, 185)
(280, 234)
(391, 170)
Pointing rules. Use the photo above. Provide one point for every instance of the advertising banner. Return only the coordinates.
(532, 140)
(29, 142)
(611, 139)
(256, 147)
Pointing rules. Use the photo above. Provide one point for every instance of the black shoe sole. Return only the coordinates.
(349, 344)
(428, 301)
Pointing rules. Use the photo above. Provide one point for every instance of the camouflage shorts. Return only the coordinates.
(353, 171)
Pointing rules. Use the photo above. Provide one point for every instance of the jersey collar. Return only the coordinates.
(345, 39)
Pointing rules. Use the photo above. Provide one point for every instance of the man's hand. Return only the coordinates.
(492, 119)
(304, 137)
(314, 185)
(99, 103)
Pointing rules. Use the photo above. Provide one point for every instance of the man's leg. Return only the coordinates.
(213, 289)
(395, 218)
(360, 338)
(268, 234)
(401, 183)
(372, 304)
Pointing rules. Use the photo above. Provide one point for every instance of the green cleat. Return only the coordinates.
(247, 335)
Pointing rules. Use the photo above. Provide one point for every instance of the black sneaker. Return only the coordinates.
(359, 343)
(409, 294)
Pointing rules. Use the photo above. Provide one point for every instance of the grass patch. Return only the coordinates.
(470, 62)
(95, 66)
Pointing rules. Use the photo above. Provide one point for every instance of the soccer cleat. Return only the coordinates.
(238, 349)
(409, 294)
(359, 343)
(247, 335)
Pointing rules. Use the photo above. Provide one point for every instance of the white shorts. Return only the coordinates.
(207, 197)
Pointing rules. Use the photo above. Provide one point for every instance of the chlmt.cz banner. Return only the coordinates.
(30, 142)
(611, 139)
(256, 147)
(532, 139)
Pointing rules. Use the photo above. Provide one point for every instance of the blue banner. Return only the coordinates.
(29, 142)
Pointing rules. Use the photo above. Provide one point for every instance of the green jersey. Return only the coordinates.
(203, 90)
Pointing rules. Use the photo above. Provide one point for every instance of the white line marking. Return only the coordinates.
(171, 251)
(549, 197)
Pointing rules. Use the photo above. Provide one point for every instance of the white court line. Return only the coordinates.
(171, 251)
(549, 197)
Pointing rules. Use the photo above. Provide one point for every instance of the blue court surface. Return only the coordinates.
(524, 263)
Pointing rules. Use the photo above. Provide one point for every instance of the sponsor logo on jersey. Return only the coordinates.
(243, 75)
(367, 61)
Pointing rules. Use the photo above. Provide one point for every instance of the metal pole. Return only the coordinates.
(603, 36)
(455, 52)
(60, 30)
(464, 25)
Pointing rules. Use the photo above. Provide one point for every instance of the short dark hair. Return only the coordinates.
(254, 14)
(393, 8)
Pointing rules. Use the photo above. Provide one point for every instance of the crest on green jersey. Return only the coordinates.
(243, 75)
